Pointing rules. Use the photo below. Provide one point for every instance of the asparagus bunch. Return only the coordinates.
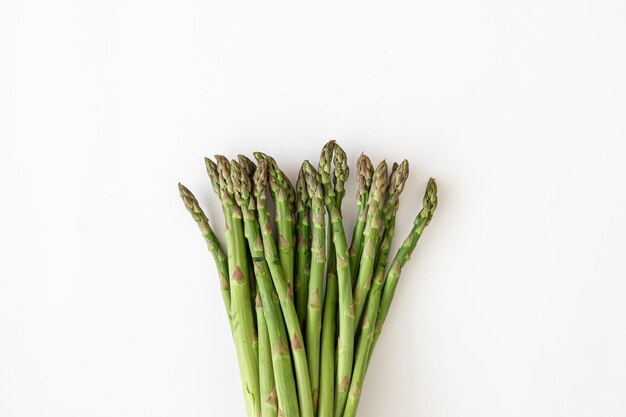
(305, 309)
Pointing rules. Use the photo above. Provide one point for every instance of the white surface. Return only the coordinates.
(515, 302)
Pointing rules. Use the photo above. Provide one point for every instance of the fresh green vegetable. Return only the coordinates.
(366, 332)
(241, 308)
(403, 255)
(304, 249)
(212, 243)
(285, 295)
(316, 282)
(373, 229)
(345, 343)
(283, 399)
(364, 172)
(269, 400)
(305, 310)
(284, 198)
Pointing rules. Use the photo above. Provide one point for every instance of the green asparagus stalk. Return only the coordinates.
(213, 245)
(373, 229)
(241, 308)
(402, 257)
(329, 336)
(211, 168)
(212, 171)
(316, 282)
(345, 350)
(273, 285)
(345, 344)
(249, 167)
(329, 318)
(303, 259)
(285, 395)
(253, 291)
(366, 334)
(397, 180)
(285, 295)
(284, 197)
(341, 173)
(364, 172)
(269, 403)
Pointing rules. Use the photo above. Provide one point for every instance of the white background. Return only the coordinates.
(515, 301)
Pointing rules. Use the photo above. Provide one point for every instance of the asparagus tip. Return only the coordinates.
(430, 201)
(380, 181)
(260, 177)
(364, 172)
(190, 202)
(259, 156)
(324, 163)
(247, 164)
(301, 189)
(398, 177)
(341, 167)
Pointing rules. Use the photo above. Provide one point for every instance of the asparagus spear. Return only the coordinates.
(364, 172)
(303, 259)
(329, 336)
(269, 403)
(397, 180)
(248, 168)
(253, 291)
(402, 257)
(316, 282)
(366, 333)
(212, 171)
(285, 393)
(284, 197)
(344, 280)
(345, 344)
(241, 309)
(373, 228)
(362, 266)
(285, 294)
(329, 325)
(214, 246)
(329, 318)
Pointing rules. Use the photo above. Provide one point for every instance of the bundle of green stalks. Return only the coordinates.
(305, 306)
